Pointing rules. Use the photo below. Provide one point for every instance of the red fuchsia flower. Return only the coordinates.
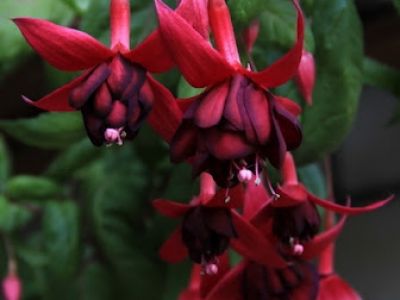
(251, 280)
(115, 93)
(295, 219)
(305, 77)
(210, 225)
(236, 122)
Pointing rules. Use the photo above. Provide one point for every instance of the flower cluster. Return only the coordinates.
(229, 134)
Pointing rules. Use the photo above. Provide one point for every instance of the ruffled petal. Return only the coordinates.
(65, 48)
(59, 99)
(197, 60)
(286, 67)
(173, 250)
(252, 244)
(165, 116)
(170, 209)
(346, 209)
(320, 242)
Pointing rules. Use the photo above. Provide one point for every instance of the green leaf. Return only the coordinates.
(178, 277)
(61, 240)
(119, 217)
(339, 53)
(74, 158)
(12, 216)
(397, 5)
(16, 47)
(314, 179)
(4, 163)
(48, 130)
(95, 283)
(26, 187)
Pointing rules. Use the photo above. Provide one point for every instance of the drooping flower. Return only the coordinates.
(210, 225)
(295, 219)
(115, 92)
(236, 123)
(305, 77)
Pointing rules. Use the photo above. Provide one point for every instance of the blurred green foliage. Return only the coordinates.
(85, 228)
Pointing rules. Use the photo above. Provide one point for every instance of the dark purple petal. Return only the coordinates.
(183, 144)
(257, 107)
(80, 94)
(231, 112)
(211, 107)
(118, 115)
(103, 101)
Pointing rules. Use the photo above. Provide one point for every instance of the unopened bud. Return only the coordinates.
(305, 77)
(12, 287)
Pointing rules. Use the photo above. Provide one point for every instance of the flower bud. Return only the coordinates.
(12, 287)
(305, 77)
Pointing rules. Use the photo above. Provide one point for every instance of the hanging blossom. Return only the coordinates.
(210, 225)
(115, 93)
(236, 122)
(305, 77)
(295, 218)
(252, 279)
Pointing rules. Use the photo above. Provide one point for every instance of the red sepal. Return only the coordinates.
(65, 48)
(58, 100)
(346, 209)
(319, 243)
(169, 208)
(235, 194)
(286, 67)
(166, 115)
(197, 60)
(256, 199)
(230, 286)
(173, 250)
(151, 54)
(252, 244)
(289, 105)
(290, 195)
(333, 287)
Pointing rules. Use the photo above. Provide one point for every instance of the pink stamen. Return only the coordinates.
(244, 175)
(114, 136)
(211, 269)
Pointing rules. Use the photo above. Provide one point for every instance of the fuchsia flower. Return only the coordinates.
(210, 224)
(115, 93)
(12, 287)
(295, 219)
(305, 77)
(236, 122)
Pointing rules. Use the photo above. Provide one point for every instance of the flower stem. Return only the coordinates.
(120, 22)
(221, 25)
(327, 258)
